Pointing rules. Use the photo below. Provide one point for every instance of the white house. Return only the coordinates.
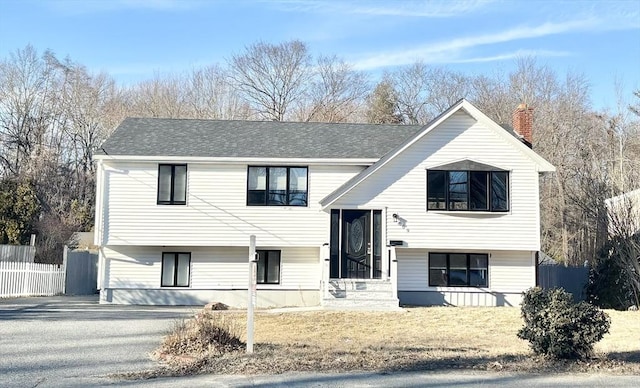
(623, 214)
(344, 214)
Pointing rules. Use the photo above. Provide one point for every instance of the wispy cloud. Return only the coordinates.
(452, 50)
(93, 6)
(424, 8)
(513, 55)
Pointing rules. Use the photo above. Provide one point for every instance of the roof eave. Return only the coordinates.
(236, 160)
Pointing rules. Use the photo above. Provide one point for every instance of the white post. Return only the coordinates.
(65, 256)
(251, 291)
(383, 244)
(325, 261)
(394, 271)
(26, 286)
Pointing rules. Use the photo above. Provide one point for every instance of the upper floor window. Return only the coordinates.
(172, 184)
(277, 186)
(468, 190)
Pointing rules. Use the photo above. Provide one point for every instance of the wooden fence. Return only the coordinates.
(31, 279)
(572, 279)
(82, 272)
(24, 253)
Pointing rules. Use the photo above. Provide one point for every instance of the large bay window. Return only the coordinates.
(468, 190)
(277, 186)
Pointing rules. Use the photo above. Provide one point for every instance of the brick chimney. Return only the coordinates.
(523, 122)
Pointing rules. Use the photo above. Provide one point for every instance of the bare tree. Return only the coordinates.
(411, 85)
(53, 114)
(272, 77)
(162, 96)
(446, 87)
(492, 95)
(211, 96)
(423, 92)
(336, 93)
(87, 100)
(28, 109)
(635, 108)
(623, 213)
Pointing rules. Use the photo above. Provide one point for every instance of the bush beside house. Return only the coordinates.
(557, 327)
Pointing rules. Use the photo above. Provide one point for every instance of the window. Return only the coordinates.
(176, 268)
(277, 186)
(268, 267)
(172, 184)
(458, 269)
(468, 190)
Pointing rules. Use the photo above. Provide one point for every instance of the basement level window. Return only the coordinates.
(176, 269)
(268, 267)
(458, 269)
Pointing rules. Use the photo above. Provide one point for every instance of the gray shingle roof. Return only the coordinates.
(260, 139)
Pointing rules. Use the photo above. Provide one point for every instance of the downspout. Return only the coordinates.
(537, 257)
(385, 244)
(97, 227)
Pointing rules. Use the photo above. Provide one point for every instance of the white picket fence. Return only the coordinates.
(31, 279)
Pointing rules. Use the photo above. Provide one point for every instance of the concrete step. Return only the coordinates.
(377, 304)
(360, 294)
(357, 294)
(360, 285)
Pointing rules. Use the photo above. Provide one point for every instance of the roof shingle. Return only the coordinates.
(255, 139)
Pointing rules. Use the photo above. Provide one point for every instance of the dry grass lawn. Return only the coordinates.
(417, 339)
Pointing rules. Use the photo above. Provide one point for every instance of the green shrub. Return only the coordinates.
(557, 327)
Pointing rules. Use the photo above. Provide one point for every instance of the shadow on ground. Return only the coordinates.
(64, 308)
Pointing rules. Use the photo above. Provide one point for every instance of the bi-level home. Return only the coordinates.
(344, 214)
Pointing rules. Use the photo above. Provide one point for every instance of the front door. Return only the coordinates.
(356, 244)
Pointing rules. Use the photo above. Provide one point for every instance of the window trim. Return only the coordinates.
(266, 268)
(175, 273)
(488, 194)
(288, 186)
(448, 269)
(171, 200)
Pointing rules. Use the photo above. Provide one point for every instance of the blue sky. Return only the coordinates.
(134, 39)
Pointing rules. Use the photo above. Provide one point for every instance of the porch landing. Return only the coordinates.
(360, 294)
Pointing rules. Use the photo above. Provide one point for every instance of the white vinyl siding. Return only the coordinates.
(512, 271)
(412, 269)
(216, 213)
(509, 271)
(400, 186)
(211, 268)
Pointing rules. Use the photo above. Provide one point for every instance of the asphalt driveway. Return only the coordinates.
(74, 341)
